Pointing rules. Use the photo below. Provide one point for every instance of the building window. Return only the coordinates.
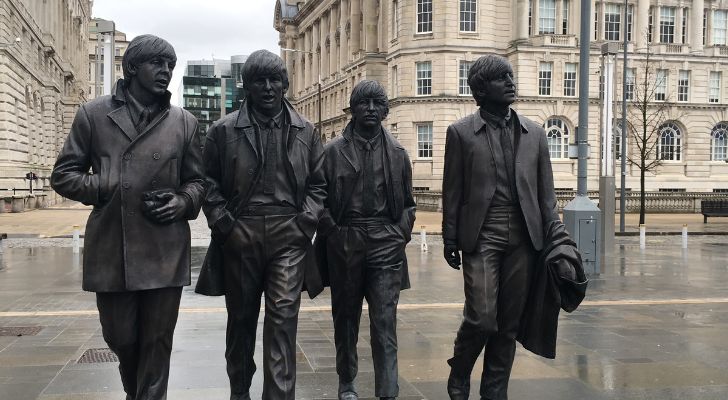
(669, 147)
(463, 87)
(650, 24)
(720, 20)
(630, 18)
(544, 78)
(468, 15)
(557, 137)
(547, 17)
(424, 16)
(395, 82)
(617, 132)
(714, 87)
(570, 79)
(630, 84)
(565, 17)
(530, 18)
(424, 78)
(705, 25)
(683, 85)
(684, 34)
(612, 21)
(660, 84)
(667, 24)
(424, 140)
(719, 142)
(395, 19)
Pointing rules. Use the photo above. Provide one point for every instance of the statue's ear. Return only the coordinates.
(132, 69)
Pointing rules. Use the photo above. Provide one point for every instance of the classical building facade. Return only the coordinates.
(96, 59)
(422, 49)
(44, 70)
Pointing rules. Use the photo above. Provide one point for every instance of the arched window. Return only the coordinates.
(719, 142)
(670, 147)
(557, 136)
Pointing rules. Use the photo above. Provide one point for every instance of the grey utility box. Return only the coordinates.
(583, 219)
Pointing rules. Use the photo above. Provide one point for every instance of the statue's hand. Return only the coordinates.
(170, 207)
(452, 256)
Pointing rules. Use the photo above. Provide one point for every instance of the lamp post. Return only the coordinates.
(318, 95)
(623, 138)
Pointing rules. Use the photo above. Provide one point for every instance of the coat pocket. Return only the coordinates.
(173, 172)
(104, 180)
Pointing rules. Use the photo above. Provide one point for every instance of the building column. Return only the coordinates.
(656, 24)
(290, 56)
(696, 21)
(307, 57)
(355, 19)
(333, 53)
(343, 37)
(371, 27)
(678, 25)
(559, 17)
(522, 20)
(709, 40)
(316, 49)
(535, 13)
(642, 24)
(324, 32)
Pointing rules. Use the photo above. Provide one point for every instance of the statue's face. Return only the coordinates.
(154, 75)
(368, 112)
(266, 93)
(500, 90)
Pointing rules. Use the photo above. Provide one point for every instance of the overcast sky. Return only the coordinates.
(196, 28)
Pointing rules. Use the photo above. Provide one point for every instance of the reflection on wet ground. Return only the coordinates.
(653, 326)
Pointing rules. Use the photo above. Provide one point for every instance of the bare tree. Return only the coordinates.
(647, 112)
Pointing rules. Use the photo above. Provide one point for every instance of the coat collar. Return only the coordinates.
(479, 124)
(121, 117)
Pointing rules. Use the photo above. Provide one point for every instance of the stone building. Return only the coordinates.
(44, 79)
(95, 89)
(422, 49)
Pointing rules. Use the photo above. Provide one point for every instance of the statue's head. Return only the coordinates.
(265, 79)
(491, 81)
(369, 104)
(149, 61)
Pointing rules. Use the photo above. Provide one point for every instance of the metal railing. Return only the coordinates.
(655, 202)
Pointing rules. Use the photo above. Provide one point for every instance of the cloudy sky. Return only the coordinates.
(198, 29)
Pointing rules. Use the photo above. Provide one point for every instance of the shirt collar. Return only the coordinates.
(361, 142)
(262, 120)
(496, 120)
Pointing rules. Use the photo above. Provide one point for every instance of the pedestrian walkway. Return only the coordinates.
(652, 327)
(59, 221)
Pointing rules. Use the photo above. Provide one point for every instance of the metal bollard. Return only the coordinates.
(685, 236)
(642, 236)
(76, 239)
(423, 238)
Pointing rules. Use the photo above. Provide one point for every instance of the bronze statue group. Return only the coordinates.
(268, 187)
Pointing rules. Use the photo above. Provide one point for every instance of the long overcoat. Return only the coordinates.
(343, 169)
(233, 167)
(123, 249)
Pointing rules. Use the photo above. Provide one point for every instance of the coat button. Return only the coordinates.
(251, 171)
(127, 156)
(131, 212)
(156, 156)
(154, 182)
(126, 185)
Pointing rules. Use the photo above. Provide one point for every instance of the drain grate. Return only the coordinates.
(93, 356)
(19, 330)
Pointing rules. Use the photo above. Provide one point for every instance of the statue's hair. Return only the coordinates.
(144, 48)
(369, 89)
(263, 62)
(485, 69)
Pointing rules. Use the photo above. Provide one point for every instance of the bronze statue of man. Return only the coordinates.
(266, 193)
(366, 225)
(146, 181)
(497, 197)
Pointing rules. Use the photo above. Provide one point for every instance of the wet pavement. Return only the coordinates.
(653, 326)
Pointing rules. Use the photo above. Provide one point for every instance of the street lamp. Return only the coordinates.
(11, 44)
(318, 124)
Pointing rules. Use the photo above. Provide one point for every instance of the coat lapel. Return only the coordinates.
(246, 126)
(122, 119)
